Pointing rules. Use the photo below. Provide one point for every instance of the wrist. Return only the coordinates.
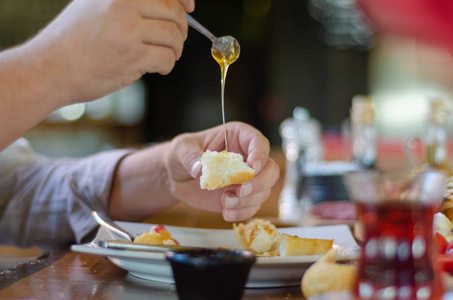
(141, 185)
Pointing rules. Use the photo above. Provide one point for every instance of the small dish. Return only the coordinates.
(210, 273)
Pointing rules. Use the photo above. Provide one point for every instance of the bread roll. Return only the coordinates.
(325, 275)
(223, 169)
(293, 245)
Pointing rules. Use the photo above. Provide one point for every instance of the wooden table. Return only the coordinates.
(68, 275)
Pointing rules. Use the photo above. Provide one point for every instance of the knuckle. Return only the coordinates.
(180, 139)
(166, 62)
(170, 29)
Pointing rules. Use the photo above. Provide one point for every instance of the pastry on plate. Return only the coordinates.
(293, 245)
(262, 237)
(157, 235)
(258, 236)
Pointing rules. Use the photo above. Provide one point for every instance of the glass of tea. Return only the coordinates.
(395, 213)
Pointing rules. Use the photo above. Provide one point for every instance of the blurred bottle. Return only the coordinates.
(301, 143)
(363, 132)
(435, 138)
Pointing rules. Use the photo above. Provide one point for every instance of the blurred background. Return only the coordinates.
(316, 54)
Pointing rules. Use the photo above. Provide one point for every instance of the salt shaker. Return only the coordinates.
(301, 143)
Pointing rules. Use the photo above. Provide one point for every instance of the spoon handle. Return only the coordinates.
(121, 245)
(112, 226)
(200, 28)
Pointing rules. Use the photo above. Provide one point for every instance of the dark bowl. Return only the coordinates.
(210, 273)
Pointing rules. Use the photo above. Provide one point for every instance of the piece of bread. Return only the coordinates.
(220, 169)
(258, 236)
(326, 275)
(293, 245)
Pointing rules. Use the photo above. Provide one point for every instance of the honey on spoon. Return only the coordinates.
(225, 51)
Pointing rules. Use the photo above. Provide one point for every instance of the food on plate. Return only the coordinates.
(294, 245)
(258, 236)
(220, 169)
(326, 275)
(157, 235)
(447, 205)
(443, 225)
(447, 208)
(262, 237)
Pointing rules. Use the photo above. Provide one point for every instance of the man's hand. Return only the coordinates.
(95, 47)
(237, 202)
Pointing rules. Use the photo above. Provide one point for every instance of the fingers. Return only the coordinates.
(165, 10)
(251, 142)
(94, 48)
(246, 199)
(163, 65)
(229, 200)
(261, 181)
(165, 34)
(240, 214)
(258, 153)
(188, 5)
(238, 209)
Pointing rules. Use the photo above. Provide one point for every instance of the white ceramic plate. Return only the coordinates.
(266, 272)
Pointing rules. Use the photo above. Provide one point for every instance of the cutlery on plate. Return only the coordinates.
(121, 245)
(96, 209)
(110, 225)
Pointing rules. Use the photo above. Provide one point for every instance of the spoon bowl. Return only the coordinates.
(224, 49)
(112, 227)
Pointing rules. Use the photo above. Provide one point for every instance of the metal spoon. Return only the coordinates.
(110, 225)
(225, 48)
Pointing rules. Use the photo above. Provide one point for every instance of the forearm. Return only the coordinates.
(141, 185)
(26, 94)
(46, 202)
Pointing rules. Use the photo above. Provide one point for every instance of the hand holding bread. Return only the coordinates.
(238, 201)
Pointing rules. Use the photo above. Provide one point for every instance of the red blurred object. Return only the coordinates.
(445, 263)
(440, 243)
(425, 20)
(449, 248)
(337, 210)
(443, 256)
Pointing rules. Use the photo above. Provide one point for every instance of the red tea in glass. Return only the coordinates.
(395, 214)
(396, 262)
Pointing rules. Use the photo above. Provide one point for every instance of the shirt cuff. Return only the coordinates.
(91, 185)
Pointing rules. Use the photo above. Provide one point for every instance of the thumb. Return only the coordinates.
(195, 167)
(184, 157)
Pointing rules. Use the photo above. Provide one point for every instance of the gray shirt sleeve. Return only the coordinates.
(41, 198)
